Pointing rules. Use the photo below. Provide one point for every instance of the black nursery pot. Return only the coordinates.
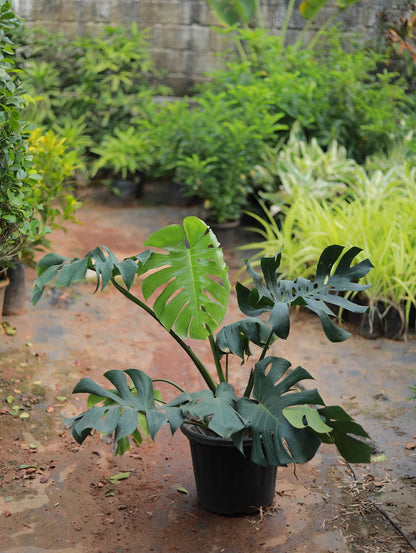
(227, 482)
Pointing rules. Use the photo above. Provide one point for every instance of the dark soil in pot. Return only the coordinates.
(227, 482)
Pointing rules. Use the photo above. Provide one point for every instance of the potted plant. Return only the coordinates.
(218, 143)
(271, 422)
(126, 156)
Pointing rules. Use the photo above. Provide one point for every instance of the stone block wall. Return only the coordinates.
(183, 40)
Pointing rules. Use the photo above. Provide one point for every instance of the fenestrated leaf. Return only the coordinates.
(235, 337)
(219, 409)
(274, 295)
(191, 279)
(345, 435)
(122, 409)
(128, 271)
(101, 260)
(50, 260)
(301, 416)
(275, 440)
(72, 272)
(335, 426)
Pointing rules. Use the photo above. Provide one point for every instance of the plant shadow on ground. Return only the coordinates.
(57, 496)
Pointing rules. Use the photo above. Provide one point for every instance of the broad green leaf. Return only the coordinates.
(303, 415)
(233, 12)
(309, 9)
(190, 280)
(122, 409)
(49, 260)
(334, 275)
(101, 260)
(346, 434)
(275, 440)
(235, 337)
(220, 410)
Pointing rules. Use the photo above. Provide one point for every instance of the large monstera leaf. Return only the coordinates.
(128, 409)
(275, 440)
(335, 426)
(235, 337)
(274, 295)
(191, 279)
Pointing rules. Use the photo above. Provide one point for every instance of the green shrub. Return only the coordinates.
(17, 176)
(217, 145)
(87, 87)
(53, 192)
(323, 174)
(340, 91)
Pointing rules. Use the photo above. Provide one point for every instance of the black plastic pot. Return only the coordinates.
(15, 300)
(125, 191)
(227, 482)
(226, 232)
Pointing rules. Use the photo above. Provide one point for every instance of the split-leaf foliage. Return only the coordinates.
(186, 288)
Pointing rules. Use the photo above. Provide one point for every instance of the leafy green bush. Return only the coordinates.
(300, 164)
(339, 91)
(87, 88)
(53, 193)
(222, 140)
(17, 176)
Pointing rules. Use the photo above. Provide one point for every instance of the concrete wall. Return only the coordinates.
(182, 38)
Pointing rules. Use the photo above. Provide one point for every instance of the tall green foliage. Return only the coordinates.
(17, 177)
(338, 91)
(107, 80)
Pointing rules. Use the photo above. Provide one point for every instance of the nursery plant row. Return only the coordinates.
(321, 135)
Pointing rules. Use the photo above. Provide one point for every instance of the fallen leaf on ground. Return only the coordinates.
(411, 445)
(8, 329)
(117, 477)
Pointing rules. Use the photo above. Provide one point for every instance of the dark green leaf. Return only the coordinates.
(235, 337)
(275, 440)
(334, 274)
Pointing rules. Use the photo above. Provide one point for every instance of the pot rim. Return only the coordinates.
(191, 434)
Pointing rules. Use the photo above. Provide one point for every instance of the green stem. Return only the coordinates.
(217, 362)
(168, 382)
(250, 384)
(189, 351)
(285, 25)
(266, 346)
(259, 15)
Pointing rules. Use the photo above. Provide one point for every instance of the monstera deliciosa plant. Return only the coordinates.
(187, 281)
